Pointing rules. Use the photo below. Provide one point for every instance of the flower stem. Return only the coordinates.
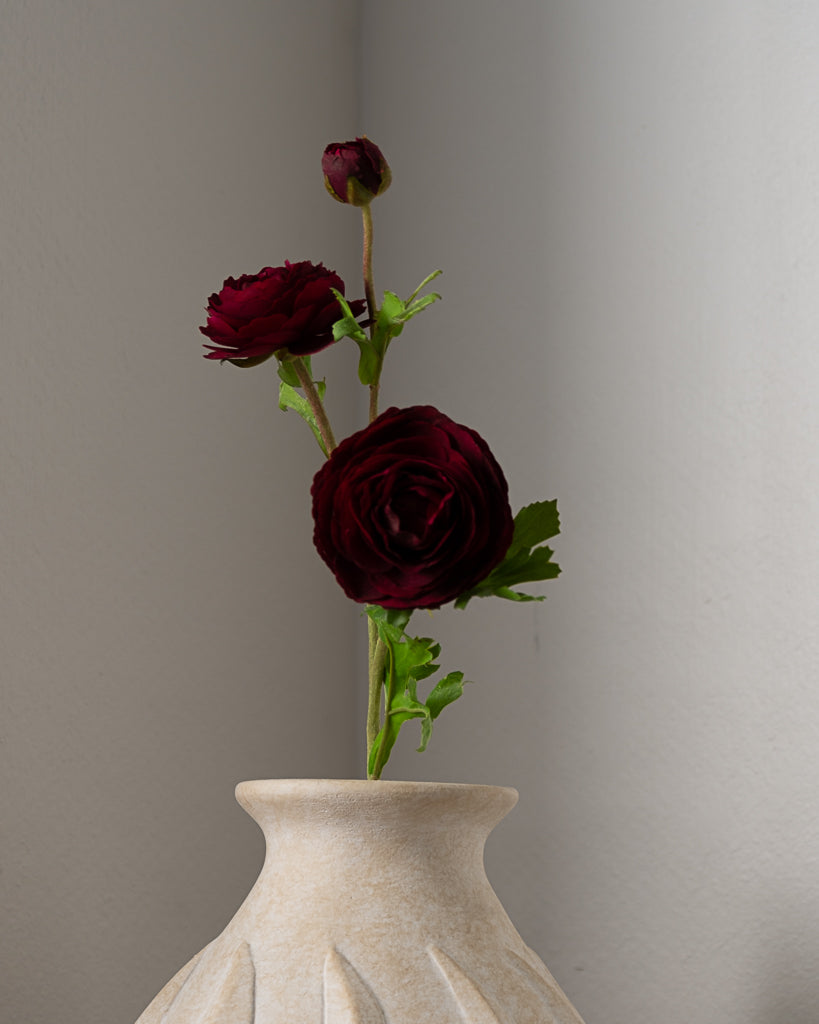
(310, 393)
(369, 292)
(377, 649)
(373, 401)
(381, 661)
(377, 663)
(369, 287)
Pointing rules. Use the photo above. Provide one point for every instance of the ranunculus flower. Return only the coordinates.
(355, 172)
(289, 307)
(412, 511)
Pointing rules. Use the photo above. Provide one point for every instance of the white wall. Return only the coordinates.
(155, 542)
(624, 200)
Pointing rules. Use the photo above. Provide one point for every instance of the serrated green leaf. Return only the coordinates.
(534, 524)
(289, 398)
(526, 567)
(405, 706)
(515, 595)
(447, 690)
(415, 658)
(524, 562)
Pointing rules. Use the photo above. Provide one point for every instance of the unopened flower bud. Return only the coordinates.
(355, 172)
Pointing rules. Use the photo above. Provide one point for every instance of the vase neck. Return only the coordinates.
(341, 811)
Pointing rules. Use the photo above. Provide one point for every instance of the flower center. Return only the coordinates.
(417, 514)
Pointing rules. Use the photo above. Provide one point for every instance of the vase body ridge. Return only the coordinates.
(372, 907)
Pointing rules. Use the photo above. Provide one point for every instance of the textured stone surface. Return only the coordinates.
(372, 907)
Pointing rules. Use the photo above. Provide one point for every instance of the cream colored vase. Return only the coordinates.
(372, 907)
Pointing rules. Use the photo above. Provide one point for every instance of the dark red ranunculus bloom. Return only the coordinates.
(355, 172)
(412, 511)
(289, 307)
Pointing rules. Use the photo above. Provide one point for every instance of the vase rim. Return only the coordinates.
(369, 786)
(256, 794)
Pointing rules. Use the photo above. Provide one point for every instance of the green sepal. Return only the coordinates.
(391, 618)
(525, 561)
(289, 398)
(250, 361)
(287, 372)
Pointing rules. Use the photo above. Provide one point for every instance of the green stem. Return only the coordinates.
(377, 664)
(369, 287)
(373, 401)
(377, 659)
(381, 758)
(316, 404)
(369, 292)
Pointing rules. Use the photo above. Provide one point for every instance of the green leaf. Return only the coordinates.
(535, 523)
(369, 362)
(447, 690)
(414, 658)
(346, 326)
(411, 659)
(524, 567)
(391, 307)
(288, 374)
(289, 398)
(422, 285)
(388, 324)
(525, 561)
(420, 305)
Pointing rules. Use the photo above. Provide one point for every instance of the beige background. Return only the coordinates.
(623, 198)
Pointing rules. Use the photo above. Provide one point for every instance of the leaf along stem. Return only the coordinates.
(316, 404)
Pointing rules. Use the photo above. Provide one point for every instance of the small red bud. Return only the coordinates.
(355, 172)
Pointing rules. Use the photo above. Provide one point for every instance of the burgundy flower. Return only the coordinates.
(355, 172)
(289, 307)
(412, 511)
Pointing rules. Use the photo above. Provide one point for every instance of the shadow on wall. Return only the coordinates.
(788, 963)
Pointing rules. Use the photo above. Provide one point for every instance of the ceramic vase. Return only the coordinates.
(372, 907)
